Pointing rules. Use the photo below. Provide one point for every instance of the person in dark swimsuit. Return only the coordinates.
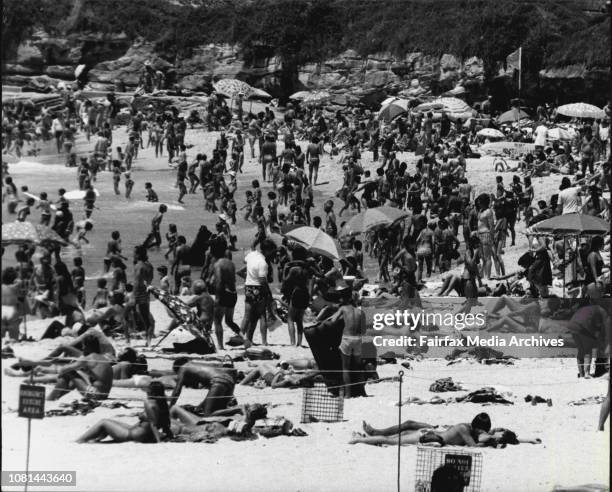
(155, 418)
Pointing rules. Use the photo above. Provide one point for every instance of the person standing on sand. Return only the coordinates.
(154, 237)
(143, 276)
(224, 281)
(180, 267)
(351, 354)
(313, 158)
(256, 292)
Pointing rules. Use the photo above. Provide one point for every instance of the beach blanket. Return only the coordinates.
(445, 384)
(82, 407)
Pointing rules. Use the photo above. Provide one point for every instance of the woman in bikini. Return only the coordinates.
(155, 418)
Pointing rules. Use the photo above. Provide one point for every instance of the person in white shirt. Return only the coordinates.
(541, 133)
(256, 292)
(569, 197)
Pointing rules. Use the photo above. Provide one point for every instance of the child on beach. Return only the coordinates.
(171, 237)
(248, 206)
(45, 209)
(129, 184)
(100, 299)
(23, 212)
(78, 280)
(151, 195)
(116, 176)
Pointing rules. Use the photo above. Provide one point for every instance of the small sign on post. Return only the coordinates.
(31, 401)
(31, 406)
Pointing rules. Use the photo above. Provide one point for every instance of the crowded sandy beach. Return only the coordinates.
(227, 292)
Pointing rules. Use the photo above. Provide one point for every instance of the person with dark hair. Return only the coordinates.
(155, 418)
(222, 284)
(154, 237)
(295, 290)
(447, 478)
(180, 266)
(91, 374)
(218, 380)
(256, 291)
(143, 276)
(471, 435)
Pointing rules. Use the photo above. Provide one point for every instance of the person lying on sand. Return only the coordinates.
(277, 377)
(237, 420)
(524, 316)
(153, 425)
(476, 434)
(91, 374)
(219, 381)
(70, 351)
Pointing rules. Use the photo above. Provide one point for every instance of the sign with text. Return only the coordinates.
(31, 401)
(462, 463)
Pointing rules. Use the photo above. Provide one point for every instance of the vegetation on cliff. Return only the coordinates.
(552, 32)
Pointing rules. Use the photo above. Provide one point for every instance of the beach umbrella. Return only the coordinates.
(232, 87)
(299, 96)
(571, 224)
(316, 241)
(19, 233)
(259, 94)
(560, 134)
(78, 194)
(512, 115)
(456, 91)
(392, 108)
(581, 110)
(371, 218)
(490, 133)
(447, 104)
(47, 236)
(183, 313)
(316, 97)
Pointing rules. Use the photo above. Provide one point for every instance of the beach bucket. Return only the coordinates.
(469, 464)
(318, 405)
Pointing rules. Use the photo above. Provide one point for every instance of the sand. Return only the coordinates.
(572, 451)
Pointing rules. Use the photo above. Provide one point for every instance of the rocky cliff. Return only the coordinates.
(114, 60)
(48, 54)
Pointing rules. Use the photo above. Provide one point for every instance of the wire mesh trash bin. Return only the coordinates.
(318, 405)
(469, 464)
